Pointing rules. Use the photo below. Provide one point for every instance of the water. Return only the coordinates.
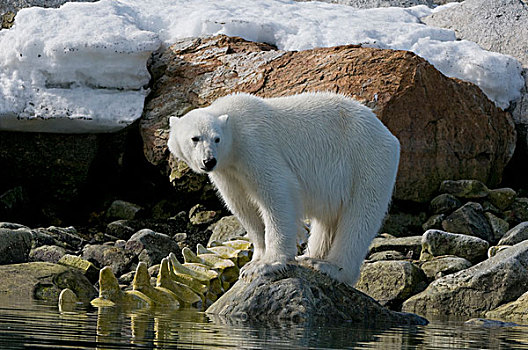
(32, 325)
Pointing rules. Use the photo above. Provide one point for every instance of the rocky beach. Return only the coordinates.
(87, 212)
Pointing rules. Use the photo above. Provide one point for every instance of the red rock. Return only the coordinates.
(448, 129)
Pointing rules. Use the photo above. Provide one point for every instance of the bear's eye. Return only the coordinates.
(217, 139)
(195, 139)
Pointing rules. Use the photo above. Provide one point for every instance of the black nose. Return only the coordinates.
(209, 164)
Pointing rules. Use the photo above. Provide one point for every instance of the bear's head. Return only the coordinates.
(201, 140)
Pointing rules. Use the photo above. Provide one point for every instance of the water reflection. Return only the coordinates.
(30, 325)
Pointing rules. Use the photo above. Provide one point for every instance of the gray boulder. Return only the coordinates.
(478, 289)
(15, 245)
(409, 247)
(502, 198)
(516, 235)
(441, 266)
(118, 258)
(386, 255)
(470, 220)
(518, 211)
(47, 253)
(444, 203)
(391, 282)
(438, 243)
(151, 246)
(499, 226)
(123, 210)
(226, 228)
(302, 295)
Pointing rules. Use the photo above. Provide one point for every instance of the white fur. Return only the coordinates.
(320, 156)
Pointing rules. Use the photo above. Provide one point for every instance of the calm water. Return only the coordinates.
(39, 326)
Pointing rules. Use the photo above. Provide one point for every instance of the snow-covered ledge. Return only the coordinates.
(82, 68)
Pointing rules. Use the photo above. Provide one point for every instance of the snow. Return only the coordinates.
(82, 67)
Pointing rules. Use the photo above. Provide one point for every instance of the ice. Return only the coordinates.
(82, 67)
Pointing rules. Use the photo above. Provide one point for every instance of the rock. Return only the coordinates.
(492, 251)
(15, 245)
(445, 204)
(516, 235)
(87, 268)
(120, 229)
(410, 247)
(44, 281)
(123, 210)
(188, 75)
(386, 255)
(469, 189)
(499, 227)
(496, 25)
(226, 228)
(47, 253)
(151, 246)
(441, 266)
(514, 310)
(391, 282)
(438, 243)
(482, 322)
(469, 292)
(469, 220)
(300, 294)
(198, 215)
(500, 26)
(434, 222)
(518, 211)
(117, 258)
(402, 224)
(67, 300)
(502, 198)
(67, 237)
(367, 4)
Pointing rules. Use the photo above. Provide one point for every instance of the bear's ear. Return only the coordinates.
(223, 118)
(173, 121)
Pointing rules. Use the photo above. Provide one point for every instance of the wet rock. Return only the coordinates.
(469, 220)
(44, 281)
(410, 247)
(469, 189)
(438, 243)
(445, 204)
(499, 227)
(478, 289)
(87, 268)
(226, 228)
(15, 245)
(123, 210)
(186, 76)
(482, 322)
(151, 246)
(386, 255)
(515, 310)
(516, 235)
(300, 294)
(47, 253)
(391, 282)
(502, 198)
(116, 257)
(67, 237)
(440, 266)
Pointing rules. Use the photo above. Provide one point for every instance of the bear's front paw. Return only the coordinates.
(259, 268)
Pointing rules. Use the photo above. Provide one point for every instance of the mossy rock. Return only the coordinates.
(44, 281)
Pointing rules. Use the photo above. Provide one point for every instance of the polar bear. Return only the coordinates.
(277, 161)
